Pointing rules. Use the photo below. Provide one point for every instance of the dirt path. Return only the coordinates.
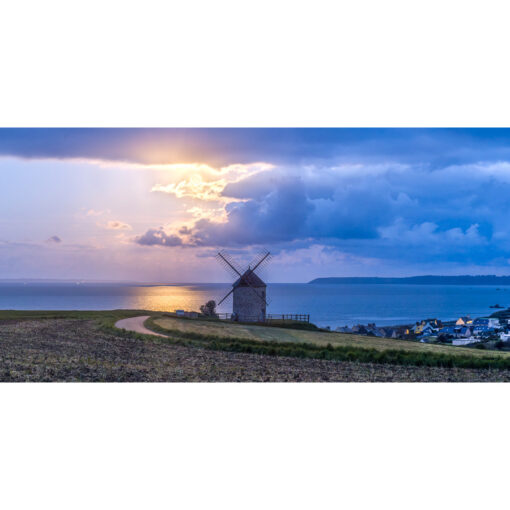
(136, 324)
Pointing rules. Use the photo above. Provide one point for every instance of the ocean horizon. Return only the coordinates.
(328, 305)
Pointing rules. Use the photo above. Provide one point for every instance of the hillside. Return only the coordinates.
(419, 280)
(228, 330)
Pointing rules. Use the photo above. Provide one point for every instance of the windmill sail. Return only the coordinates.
(260, 259)
(229, 264)
(225, 297)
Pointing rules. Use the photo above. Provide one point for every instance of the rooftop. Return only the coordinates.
(249, 279)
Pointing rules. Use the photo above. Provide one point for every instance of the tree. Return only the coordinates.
(209, 309)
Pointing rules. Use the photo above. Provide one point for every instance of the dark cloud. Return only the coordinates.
(158, 237)
(281, 215)
(54, 240)
(289, 207)
(437, 147)
(407, 214)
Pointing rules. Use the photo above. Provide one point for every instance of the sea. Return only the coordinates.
(327, 304)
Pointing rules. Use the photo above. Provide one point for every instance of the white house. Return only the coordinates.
(494, 323)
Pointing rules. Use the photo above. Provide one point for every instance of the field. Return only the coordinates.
(284, 335)
(48, 350)
(84, 346)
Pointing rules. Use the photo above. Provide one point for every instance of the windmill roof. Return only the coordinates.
(249, 279)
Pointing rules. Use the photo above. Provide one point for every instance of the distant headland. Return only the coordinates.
(419, 280)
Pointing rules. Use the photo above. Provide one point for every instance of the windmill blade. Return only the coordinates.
(229, 263)
(225, 297)
(258, 259)
(260, 264)
(228, 266)
(263, 262)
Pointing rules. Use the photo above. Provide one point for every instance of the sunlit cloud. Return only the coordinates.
(93, 212)
(217, 214)
(203, 182)
(194, 187)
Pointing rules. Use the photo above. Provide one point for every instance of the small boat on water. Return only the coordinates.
(496, 306)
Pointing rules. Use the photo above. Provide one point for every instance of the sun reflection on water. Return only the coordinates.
(170, 298)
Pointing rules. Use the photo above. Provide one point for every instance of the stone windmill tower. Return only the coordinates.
(248, 289)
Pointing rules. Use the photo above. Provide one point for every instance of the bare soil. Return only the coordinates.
(78, 350)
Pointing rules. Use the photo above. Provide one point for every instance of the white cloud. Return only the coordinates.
(428, 233)
(116, 225)
(194, 187)
(93, 212)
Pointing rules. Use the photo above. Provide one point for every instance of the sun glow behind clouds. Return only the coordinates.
(194, 187)
(123, 217)
(198, 189)
(204, 182)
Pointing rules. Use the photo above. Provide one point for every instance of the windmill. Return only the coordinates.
(248, 289)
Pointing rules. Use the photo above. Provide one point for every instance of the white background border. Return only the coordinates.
(266, 63)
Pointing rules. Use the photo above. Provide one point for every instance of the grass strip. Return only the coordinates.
(329, 352)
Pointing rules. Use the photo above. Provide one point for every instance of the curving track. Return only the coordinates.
(136, 324)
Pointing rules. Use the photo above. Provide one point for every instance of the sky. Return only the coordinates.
(156, 205)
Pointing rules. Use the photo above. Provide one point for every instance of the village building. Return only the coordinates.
(465, 331)
(184, 313)
(426, 327)
(447, 331)
(464, 321)
(483, 330)
(489, 322)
